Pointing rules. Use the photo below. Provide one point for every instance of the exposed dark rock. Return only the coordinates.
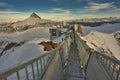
(79, 30)
(49, 45)
(10, 45)
(34, 15)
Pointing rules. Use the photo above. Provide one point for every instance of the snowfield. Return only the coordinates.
(102, 38)
(103, 42)
(28, 35)
(31, 49)
(27, 51)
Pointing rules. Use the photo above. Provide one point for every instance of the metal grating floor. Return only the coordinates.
(73, 70)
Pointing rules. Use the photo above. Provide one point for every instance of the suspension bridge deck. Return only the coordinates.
(73, 70)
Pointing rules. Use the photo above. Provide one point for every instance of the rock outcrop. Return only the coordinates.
(79, 30)
(34, 15)
(49, 45)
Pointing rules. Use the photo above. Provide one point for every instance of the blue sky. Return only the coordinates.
(58, 9)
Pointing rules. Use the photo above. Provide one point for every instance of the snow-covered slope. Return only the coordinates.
(103, 42)
(40, 32)
(18, 37)
(26, 52)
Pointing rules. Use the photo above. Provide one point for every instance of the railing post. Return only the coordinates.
(5, 78)
(37, 68)
(109, 64)
(113, 68)
(62, 57)
(18, 76)
(41, 65)
(106, 61)
(33, 71)
(118, 73)
(26, 71)
(44, 59)
(90, 55)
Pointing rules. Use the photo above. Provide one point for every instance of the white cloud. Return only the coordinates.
(3, 4)
(8, 12)
(79, 0)
(84, 0)
(60, 11)
(98, 6)
(55, 0)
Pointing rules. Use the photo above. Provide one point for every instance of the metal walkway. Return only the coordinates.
(73, 70)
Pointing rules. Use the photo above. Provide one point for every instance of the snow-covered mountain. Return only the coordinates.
(103, 42)
(20, 54)
(33, 21)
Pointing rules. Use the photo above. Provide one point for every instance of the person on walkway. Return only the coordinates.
(72, 40)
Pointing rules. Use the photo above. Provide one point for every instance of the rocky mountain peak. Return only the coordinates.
(34, 15)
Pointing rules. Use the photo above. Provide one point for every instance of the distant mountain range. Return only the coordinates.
(110, 19)
(93, 22)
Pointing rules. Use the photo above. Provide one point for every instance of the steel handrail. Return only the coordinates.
(110, 64)
(46, 57)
